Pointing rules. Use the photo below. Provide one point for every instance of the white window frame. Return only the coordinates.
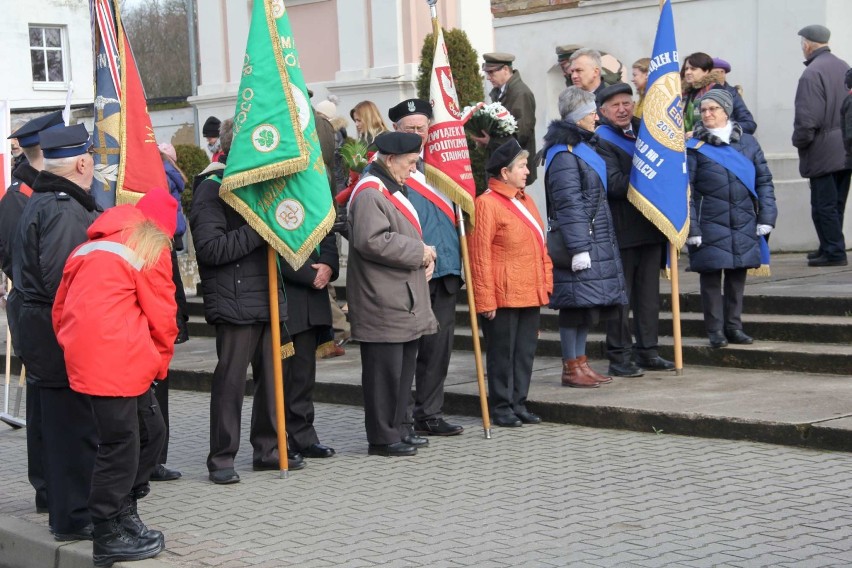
(63, 50)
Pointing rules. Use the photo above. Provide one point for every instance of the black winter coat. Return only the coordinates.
(308, 307)
(631, 227)
(577, 208)
(11, 207)
(53, 224)
(722, 210)
(231, 259)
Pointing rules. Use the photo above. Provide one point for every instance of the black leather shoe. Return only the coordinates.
(317, 451)
(825, 261)
(814, 254)
(295, 462)
(162, 473)
(655, 364)
(414, 440)
(437, 427)
(392, 450)
(738, 337)
(528, 417)
(83, 533)
(717, 339)
(224, 476)
(113, 542)
(508, 421)
(626, 369)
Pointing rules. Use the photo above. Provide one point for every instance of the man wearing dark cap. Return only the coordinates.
(510, 91)
(210, 131)
(11, 207)
(53, 223)
(816, 134)
(437, 219)
(388, 292)
(640, 243)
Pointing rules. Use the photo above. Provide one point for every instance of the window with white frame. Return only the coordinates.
(47, 54)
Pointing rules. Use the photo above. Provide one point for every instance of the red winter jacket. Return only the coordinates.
(114, 321)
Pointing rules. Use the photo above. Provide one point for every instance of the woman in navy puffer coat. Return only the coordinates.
(726, 218)
(588, 281)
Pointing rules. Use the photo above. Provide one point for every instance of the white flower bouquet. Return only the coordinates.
(492, 119)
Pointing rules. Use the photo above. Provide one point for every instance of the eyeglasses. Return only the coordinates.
(416, 129)
(713, 109)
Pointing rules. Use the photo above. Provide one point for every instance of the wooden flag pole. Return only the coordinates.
(678, 347)
(278, 376)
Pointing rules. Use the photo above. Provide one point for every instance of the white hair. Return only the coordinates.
(60, 166)
(592, 54)
(572, 99)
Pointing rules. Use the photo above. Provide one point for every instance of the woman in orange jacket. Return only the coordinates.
(512, 279)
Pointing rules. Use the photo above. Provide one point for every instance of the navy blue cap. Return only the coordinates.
(503, 156)
(409, 107)
(395, 143)
(65, 142)
(27, 135)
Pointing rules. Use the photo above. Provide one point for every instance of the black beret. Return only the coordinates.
(27, 135)
(65, 141)
(613, 90)
(211, 127)
(395, 143)
(409, 107)
(504, 155)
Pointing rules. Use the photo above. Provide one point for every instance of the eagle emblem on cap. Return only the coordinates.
(411, 106)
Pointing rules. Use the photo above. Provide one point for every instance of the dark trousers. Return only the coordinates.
(828, 204)
(35, 445)
(132, 433)
(723, 313)
(511, 339)
(161, 391)
(70, 443)
(387, 371)
(237, 346)
(433, 355)
(300, 373)
(642, 280)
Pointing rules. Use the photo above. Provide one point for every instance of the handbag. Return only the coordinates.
(556, 248)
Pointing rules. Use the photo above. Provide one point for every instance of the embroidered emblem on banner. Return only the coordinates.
(265, 138)
(290, 214)
(664, 99)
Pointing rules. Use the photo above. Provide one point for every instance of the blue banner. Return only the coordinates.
(659, 184)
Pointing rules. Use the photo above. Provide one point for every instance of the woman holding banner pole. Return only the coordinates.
(732, 209)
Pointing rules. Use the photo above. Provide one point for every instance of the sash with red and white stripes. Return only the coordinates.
(523, 214)
(402, 204)
(418, 183)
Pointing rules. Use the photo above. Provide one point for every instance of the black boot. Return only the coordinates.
(113, 542)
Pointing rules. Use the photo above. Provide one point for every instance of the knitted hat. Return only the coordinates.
(211, 127)
(168, 150)
(161, 208)
(721, 96)
(328, 107)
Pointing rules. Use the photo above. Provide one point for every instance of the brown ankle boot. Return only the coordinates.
(584, 365)
(573, 376)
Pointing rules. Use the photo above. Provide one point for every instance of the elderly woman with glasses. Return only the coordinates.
(732, 210)
(588, 281)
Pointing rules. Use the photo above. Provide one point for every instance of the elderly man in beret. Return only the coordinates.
(53, 224)
(510, 91)
(388, 292)
(817, 135)
(640, 243)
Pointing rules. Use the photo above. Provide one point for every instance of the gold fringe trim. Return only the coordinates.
(295, 258)
(325, 349)
(666, 273)
(265, 173)
(127, 197)
(449, 187)
(763, 270)
(287, 350)
(658, 219)
(122, 129)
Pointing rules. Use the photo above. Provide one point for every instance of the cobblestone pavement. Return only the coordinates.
(546, 495)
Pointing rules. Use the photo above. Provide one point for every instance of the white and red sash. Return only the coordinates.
(418, 183)
(402, 204)
(522, 213)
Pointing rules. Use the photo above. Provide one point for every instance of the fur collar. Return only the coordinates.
(709, 79)
(701, 133)
(565, 132)
(47, 182)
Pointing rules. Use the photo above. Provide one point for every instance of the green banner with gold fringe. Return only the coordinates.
(275, 177)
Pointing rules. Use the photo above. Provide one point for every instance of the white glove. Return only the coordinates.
(694, 241)
(764, 230)
(581, 261)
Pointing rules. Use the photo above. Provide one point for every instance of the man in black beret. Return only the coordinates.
(437, 218)
(53, 224)
(387, 289)
(817, 135)
(639, 241)
(210, 131)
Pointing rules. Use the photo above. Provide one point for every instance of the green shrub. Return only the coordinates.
(464, 63)
(191, 160)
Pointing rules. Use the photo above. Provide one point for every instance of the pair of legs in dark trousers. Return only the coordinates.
(511, 339)
(300, 373)
(387, 371)
(642, 280)
(132, 433)
(69, 444)
(723, 314)
(828, 204)
(35, 446)
(433, 355)
(237, 346)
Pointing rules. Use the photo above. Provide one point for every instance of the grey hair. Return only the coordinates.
(573, 98)
(226, 135)
(60, 166)
(522, 155)
(592, 54)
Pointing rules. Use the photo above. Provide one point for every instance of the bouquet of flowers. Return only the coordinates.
(492, 119)
(354, 154)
